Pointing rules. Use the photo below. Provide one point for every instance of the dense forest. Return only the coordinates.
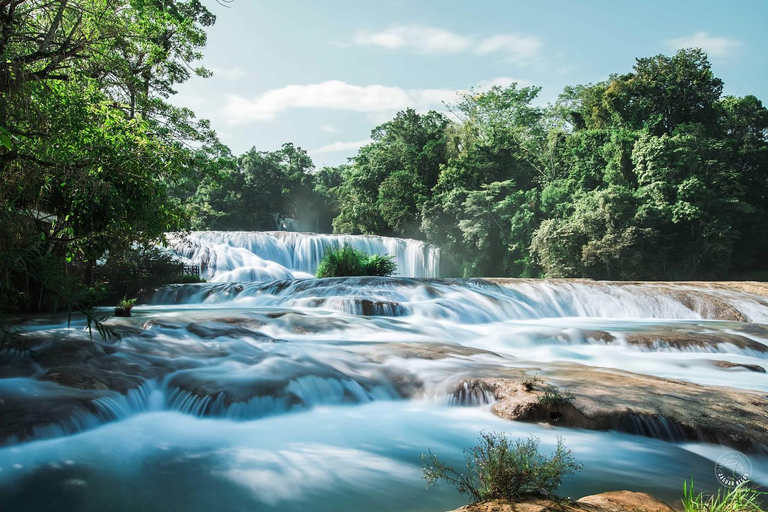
(651, 174)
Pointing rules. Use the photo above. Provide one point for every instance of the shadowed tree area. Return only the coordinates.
(91, 149)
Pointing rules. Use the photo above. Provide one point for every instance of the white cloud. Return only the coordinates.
(714, 46)
(502, 81)
(517, 48)
(341, 146)
(416, 38)
(430, 40)
(333, 95)
(327, 128)
(228, 73)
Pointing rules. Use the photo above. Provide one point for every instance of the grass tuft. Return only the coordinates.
(736, 499)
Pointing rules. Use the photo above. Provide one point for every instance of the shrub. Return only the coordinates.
(501, 468)
(736, 499)
(553, 397)
(126, 303)
(347, 261)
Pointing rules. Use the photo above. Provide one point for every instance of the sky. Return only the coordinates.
(322, 74)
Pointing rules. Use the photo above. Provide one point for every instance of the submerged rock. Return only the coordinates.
(75, 377)
(728, 365)
(683, 341)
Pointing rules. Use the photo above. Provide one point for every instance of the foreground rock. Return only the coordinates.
(617, 501)
(639, 404)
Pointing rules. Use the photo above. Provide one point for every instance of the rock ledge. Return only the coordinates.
(616, 501)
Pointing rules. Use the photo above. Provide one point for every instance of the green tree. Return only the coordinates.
(86, 168)
(388, 182)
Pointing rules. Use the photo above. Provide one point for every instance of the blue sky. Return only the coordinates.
(322, 74)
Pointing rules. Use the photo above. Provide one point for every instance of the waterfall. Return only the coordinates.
(480, 301)
(264, 256)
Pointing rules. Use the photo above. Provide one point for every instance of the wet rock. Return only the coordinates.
(248, 323)
(67, 352)
(213, 330)
(303, 324)
(638, 404)
(123, 365)
(380, 308)
(75, 377)
(693, 341)
(751, 367)
(601, 336)
(162, 323)
(406, 385)
(617, 501)
(35, 409)
(381, 352)
(706, 305)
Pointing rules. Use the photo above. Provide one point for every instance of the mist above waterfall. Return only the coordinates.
(270, 255)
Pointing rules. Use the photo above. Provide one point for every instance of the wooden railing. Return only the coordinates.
(191, 270)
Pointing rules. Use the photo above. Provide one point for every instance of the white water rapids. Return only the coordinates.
(308, 394)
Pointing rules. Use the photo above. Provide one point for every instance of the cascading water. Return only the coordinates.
(320, 394)
(263, 256)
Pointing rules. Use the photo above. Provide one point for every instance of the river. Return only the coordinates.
(266, 389)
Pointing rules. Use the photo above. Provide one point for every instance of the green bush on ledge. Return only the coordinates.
(347, 261)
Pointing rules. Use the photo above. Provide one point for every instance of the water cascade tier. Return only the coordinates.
(320, 394)
(263, 256)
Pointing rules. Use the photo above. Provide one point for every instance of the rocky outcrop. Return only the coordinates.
(617, 501)
(639, 404)
(683, 341)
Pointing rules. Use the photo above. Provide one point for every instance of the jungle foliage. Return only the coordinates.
(652, 174)
(91, 150)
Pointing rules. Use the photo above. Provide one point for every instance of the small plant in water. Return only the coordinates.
(499, 467)
(124, 306)
(553, 397)
(741, 498)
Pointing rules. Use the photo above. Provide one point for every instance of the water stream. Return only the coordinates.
(277, 393)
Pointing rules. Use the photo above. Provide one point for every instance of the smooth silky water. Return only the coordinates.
(305, 394)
